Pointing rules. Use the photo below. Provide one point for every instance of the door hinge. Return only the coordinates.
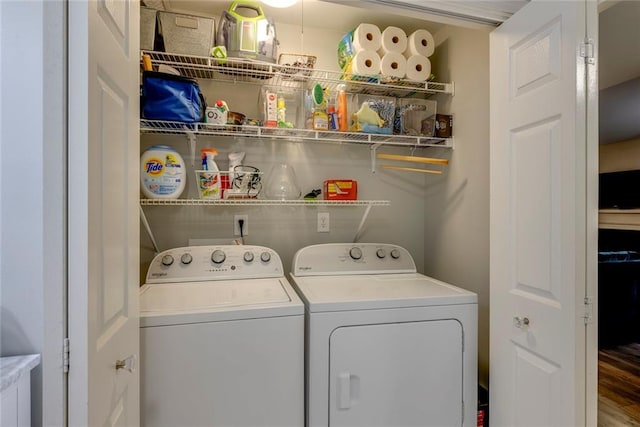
(65, 356)
(587, 52)
(588, 310)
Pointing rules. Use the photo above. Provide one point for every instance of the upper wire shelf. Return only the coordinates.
(258, 72)
(168, 127)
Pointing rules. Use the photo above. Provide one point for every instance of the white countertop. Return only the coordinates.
(12, 367)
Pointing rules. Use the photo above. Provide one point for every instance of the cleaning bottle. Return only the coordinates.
(308, 109)
(209, 182)
(342, 108)
(320, 118)
(281, 113)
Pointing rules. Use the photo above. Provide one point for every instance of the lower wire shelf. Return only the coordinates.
(260, 202)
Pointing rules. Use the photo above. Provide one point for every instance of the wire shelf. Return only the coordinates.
(260, 202)
(285, 75)
(168, 127)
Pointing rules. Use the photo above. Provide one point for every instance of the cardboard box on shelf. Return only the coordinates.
(444, 126)
(340, 189)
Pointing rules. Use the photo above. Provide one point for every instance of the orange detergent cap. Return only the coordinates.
(209, 150)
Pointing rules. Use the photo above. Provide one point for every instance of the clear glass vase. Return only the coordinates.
(282, 183)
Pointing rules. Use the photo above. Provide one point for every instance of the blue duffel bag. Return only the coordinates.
(169, 97)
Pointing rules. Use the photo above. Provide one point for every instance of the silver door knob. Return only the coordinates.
(128, 364)
(521, 322)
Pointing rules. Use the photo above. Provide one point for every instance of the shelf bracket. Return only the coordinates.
(191, 139)
(373, 149)
(145, 223)
(361, 225)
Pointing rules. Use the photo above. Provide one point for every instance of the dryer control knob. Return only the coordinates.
(265, 257)
(395, 254)
(218, 256)
(355, 253)
(167, 260)
(186, 259)
(248, 256)
(381, 253)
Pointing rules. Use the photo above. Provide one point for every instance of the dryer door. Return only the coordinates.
(400, 374)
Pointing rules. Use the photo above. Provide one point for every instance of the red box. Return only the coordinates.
(340, 189)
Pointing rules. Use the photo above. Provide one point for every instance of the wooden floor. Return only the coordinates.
(619, 386)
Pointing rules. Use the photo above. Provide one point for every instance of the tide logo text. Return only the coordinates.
(154, 167)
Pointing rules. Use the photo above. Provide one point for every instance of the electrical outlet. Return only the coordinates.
(236, 225)
(323, 222)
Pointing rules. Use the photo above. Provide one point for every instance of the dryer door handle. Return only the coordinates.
(348, 390)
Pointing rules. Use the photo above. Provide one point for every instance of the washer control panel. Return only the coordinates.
(352, 258)
(205, 263)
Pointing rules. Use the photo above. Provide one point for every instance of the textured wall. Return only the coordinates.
(457, 204)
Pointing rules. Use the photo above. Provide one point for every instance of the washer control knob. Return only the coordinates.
(248, 256)
(395, 254)
(355, 253)
(167, 260)
(186, 259)
(381, 253)
(218, 256)
(265, 257)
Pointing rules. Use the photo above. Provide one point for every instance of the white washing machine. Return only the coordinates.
(385, 345)
(222, 340)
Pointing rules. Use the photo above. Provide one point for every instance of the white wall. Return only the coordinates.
(457, 204)
(32, 178)
(619, 43)
(22, 302)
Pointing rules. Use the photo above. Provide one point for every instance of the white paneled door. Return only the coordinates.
(539, 216)
(103, 212)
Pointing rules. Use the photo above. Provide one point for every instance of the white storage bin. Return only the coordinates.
(186, 34)
(147, 28)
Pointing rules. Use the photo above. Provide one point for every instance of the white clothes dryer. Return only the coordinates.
(222, 340)
(385, 345)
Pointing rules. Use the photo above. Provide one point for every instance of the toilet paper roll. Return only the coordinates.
(393, 64)
(366, 37)
(420, 42)
(365, 63)
(393, 39)
(418, 68)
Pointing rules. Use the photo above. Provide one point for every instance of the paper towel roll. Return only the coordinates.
(418, 68)
(365, 63)
(366, 37)
(420, 42)
(393, 39)
(393, 64)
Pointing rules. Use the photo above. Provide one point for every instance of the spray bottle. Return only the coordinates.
(210, 184)
(342, 108)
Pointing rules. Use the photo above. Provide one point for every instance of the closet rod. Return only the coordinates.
(401, 168)
(413, 159)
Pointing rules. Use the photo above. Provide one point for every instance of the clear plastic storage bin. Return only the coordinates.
(415, 117)
(371, 114)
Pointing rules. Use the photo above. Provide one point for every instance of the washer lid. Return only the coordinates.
(194, 302)
(359, 292)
